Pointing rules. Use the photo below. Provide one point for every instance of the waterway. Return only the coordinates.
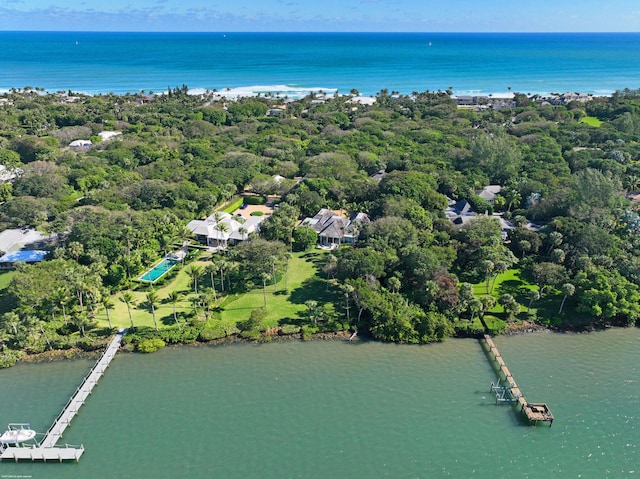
(343, 410)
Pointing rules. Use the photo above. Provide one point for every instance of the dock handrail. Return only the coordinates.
(119, 335)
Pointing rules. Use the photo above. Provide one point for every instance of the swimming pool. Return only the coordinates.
(158, 270)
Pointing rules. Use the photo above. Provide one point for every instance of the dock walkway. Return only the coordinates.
(535, 412)
(47, 449)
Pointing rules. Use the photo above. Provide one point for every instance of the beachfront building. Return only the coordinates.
(334, 228)
(221, 230)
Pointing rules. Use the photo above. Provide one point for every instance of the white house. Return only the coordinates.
(222, 229)
(80, 144)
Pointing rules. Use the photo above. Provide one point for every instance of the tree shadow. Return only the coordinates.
(312, 289)
(515, 288)
(167, 319)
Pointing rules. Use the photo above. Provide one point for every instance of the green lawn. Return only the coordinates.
(509, 282)
(513, 283)
(303, 281)
(591, 121)
(141, 313)
(304, 284)
(233, 205)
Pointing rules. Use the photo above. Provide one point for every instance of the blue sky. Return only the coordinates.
(323, 15)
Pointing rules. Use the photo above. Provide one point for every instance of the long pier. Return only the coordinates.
(47, 449)
(510, 391)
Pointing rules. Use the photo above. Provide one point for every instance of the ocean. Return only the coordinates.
(295, 63)
(331, 409)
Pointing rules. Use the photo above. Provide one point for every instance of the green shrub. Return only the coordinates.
(173, 335)
(257, 213)
(150, 345)
(255, 320)
(9, 357)
(251, 334)
(308, 331)
(287, 329)
(255, 200)
(218, 330)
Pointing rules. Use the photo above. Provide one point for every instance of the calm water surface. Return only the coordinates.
(343, 410)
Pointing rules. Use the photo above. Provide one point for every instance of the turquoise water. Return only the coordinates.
(344, 410)
(292, 62)
(158, 270)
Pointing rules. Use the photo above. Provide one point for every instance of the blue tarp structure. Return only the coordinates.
(32, 256)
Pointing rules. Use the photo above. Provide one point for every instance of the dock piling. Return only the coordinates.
(47, 449)
(507, 390)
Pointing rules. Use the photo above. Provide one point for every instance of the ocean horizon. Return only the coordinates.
(294, 64)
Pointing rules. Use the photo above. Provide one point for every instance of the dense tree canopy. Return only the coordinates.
(119, 204)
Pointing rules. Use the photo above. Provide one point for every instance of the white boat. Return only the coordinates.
(17, 433)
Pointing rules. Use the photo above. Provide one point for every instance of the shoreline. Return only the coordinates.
(293, 92)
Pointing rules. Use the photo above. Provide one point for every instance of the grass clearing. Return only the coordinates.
(304, 283)
(591, 121)
(232, 206)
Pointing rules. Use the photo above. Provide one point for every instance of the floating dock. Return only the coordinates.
(47, 450)
(507, 390)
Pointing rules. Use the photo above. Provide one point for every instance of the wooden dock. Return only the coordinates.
(510, 392)
(47, 450)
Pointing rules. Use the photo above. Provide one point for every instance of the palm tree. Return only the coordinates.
(222, 265)
(348, 291)
(195, 271)
(312, 310)
(534, 295)
(175, 297)
(211, 269)
(287, 256)
(107, 304)
(487, 267)
(243, 231)
(499, 268)
(265, 277)
(61, 297)
(128, 299)
(273, 273)
(394, 284)
(568, 289)
(330, 267)
(80, 320)
(475, 306)
(152, 300)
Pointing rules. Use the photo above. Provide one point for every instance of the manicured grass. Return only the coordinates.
(141, 313)
(233, 205)
(510, 282)
(591, 121)
(304, 284)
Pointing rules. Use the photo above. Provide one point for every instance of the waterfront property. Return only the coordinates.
(507, 390)
(334, 228)
(221, 229)
(47, 449)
